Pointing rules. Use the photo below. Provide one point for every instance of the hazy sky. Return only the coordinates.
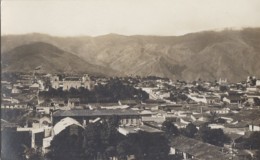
(128, 17)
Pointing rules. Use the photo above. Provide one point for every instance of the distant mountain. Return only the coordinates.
(209, 55)
(26, 58)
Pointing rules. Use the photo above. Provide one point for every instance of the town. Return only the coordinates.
(81, 116)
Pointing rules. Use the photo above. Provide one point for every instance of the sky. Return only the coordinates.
(127, 17)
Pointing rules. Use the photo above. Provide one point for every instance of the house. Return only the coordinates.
(237, 127)
(189, 148)
(251, 97)
(219, 110)
(212, 99)
(152, 107)
(58, 102)
(146, 113)
(252, 89)
(125, 130)
(185, 120)
(128, 102)
(114, 107)
(73, 102)
(9, 105)
(197, 98)
(257, 83)
(255, 125)
(232, 99)
(200, 117)
(16, 90)
(170, 107)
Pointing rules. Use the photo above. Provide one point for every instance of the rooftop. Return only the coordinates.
(72, 79)
(91, 113)
(198, 149)
(132, 129)
(64, 123)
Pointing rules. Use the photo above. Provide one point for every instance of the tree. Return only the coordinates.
(257, 101)
(122, 149)
(253, 142)
(257, 155)
(213, 116)
(147, 146)
(65, 146)
(92, 142)
(190, 130)
(169, 128)
(223, 88)
(213, 136)
(111, 151)
(102, 138)
(13, 144)
(33, 154)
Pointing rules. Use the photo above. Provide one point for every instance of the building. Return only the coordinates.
(69, 125)
(255, 126)
(133, 129)
(189, 148)
(71, 82)
(127, 117)
(232, 99)
(257, 83)
(73, 102)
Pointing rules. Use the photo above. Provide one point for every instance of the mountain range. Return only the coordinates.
(208, 55)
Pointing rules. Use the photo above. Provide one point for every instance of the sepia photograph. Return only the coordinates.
(130, 80)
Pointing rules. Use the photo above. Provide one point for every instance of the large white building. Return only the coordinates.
(71, 82)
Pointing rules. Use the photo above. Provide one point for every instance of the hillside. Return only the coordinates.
(26, 58)
(209, 55)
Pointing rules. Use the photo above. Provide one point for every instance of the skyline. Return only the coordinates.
(94, 18)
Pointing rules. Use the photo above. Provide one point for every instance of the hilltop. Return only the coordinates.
(26, 58)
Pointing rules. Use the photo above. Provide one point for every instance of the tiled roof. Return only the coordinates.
(90, 113)
(72, 79)
(198, 149)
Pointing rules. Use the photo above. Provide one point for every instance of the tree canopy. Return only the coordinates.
(169, 128)
(113, 91)
(213, 136)
(190, 130)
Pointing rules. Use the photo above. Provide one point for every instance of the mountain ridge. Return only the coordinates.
(208, 55)
(26, 58)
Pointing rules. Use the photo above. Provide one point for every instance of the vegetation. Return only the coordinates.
(13, 115)
(189, 131)
(113, 91)
(103, 141)
(169, 128)
(253, 141)
(213, 136)
(178, 97)
(13, 144)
